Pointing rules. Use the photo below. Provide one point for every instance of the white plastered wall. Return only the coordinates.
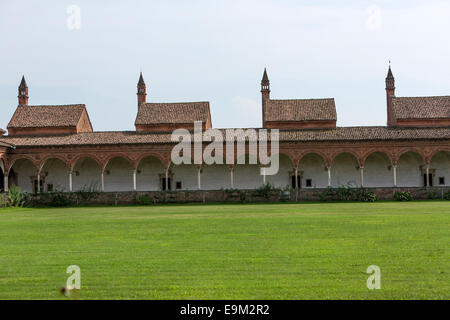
(55, 172)
(283, 177)
(312, 167)
(345, 171)
(86, 174)
(216, 177)
(25, 173)
(441, 163)
(378, 171)
(118, 175)
(148, 174)
(409, 173)
(187, 174)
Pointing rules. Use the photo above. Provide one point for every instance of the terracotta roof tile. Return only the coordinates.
(299, 135)
(421, 107)
(300, 110)
(27, 116)
(171, 113)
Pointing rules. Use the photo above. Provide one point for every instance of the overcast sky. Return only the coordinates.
(216, 51)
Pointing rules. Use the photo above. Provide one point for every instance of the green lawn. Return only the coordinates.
(250, 251)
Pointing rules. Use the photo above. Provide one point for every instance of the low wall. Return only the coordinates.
(232, 196)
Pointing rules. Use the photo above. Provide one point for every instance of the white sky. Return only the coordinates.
(217, 50)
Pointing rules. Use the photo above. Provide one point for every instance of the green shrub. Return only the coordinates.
(403, 196)
(60, 199)
(235, 193)
(264, 190)
(447, 195)
(347, 193)
(367, 196)
(432, 194)
(86, 193)
(285, 193)
(16, 197)
(144, 200)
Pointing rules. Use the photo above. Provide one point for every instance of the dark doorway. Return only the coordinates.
(299, 182)
(163, 183)
(430, 179)
(41, 184)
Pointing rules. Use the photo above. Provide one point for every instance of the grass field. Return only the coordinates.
(250, 251)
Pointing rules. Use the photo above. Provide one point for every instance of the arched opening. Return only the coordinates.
(23, 174)
(86, 175)
(378, 171)
(150, 174)
(440, 169)
(410, 170)
(246, 175)
(118, 175)
(345, 171)
(285, 175)
(312, 171)
(54, 176)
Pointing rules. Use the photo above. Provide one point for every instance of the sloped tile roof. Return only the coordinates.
(295, 135)
(421, 107)
(2, 131)
(300, 110)
(27, 116)
(171, 113)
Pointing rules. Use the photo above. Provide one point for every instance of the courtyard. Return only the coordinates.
(232, 251)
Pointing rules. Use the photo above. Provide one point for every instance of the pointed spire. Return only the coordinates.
(390, 80)
(141, 80)
(141, 90)
(23, 83)
(265, 78)
(23, 92)
(390, 75)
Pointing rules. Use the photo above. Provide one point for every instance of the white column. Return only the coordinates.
(361, 171)
(70, 181)
(232, 177)
(329, 176)
(264, 175)
(199, 178)
(39, 182)
(395, 175)
(167, 178)
(427, 178)
(134, 180)
(296, 179)
(5, 181)
(103, 181)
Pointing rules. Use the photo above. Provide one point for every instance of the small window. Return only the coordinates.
(441, 180)
(309, 182)
(178, 185)
(49, 187)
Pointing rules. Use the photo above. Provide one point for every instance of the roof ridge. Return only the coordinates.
(175, 102)
(301, 99)
(447, 96)
(53, 105)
